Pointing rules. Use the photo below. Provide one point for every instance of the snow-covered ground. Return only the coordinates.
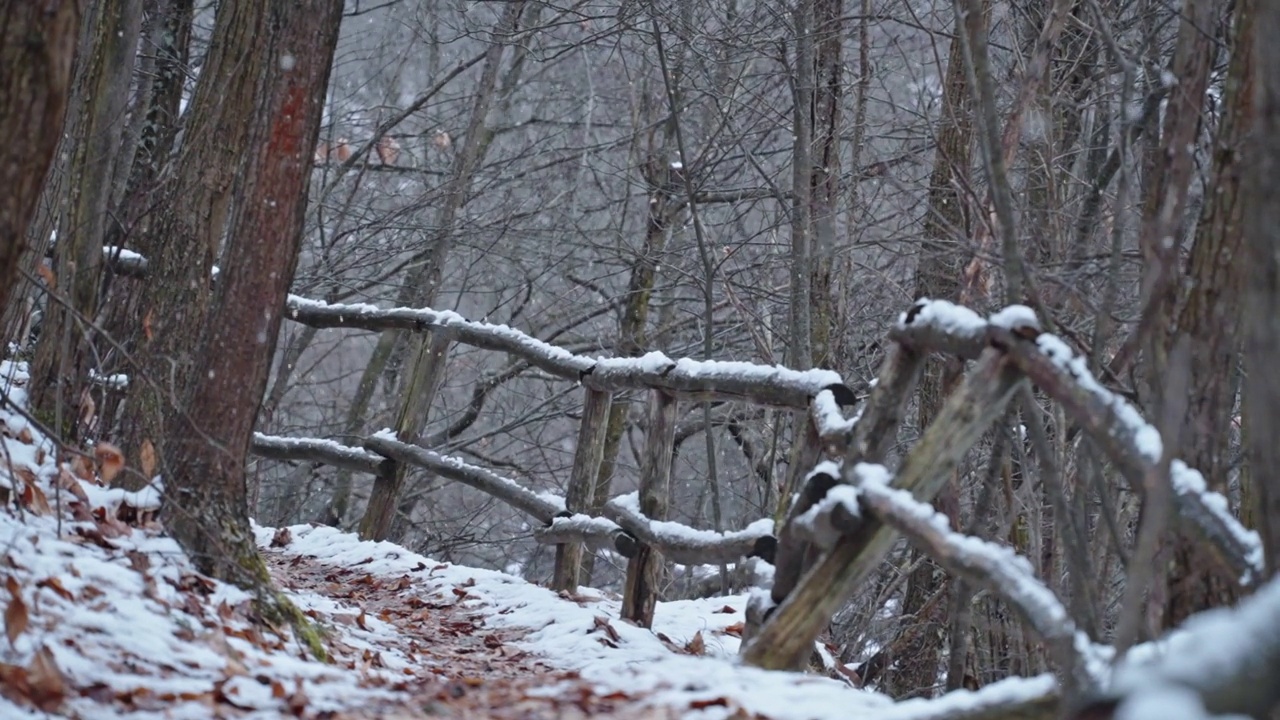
(585, 634)
(108, 619)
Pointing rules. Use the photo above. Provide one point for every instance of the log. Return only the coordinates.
(685, 379)
(318, 450)
(682, 544)
(596, 533)
(541, 507)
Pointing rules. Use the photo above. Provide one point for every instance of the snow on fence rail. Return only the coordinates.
(622, 530)
(771, 385)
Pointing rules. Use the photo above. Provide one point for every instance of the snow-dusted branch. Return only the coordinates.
(318, 450)
(989, 565)
(1133, 444)
(697, 379)
(683, 544)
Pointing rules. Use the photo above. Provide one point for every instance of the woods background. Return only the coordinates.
(771, 182)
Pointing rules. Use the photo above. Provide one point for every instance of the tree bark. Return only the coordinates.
(1210, 318)
(37, 50)
(65, 354)
(1262, 257)
(186, 234)
(938, 275)
(285, 51)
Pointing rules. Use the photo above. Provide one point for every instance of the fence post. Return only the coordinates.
(427, 369)
(586, 463)
(644, 570)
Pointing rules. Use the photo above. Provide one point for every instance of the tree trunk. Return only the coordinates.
(1211, 319)
(380, 513)
(632, 329)
(938, 275)
(824, 182)
(1262, 257)
(286, 51)
(64, 354)
(37, 49)
(185, 235)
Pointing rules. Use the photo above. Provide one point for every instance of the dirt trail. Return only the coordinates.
(459, 667)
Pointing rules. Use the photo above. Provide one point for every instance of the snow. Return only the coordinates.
(677, 533)
(128, 625)
(1015, 316)
(121, 253)
(829, 417)
(569, 636)
(944, 315)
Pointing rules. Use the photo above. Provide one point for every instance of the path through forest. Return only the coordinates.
(462, 667)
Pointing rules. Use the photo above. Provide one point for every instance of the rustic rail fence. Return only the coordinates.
(843, 509)
(848, 509)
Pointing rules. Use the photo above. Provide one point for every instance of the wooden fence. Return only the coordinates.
(848, 510)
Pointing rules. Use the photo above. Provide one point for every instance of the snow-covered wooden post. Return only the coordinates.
(586, 464)
(644, 570)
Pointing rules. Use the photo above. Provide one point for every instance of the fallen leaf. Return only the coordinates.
(713, 702)
(110, 461)
(734, 629)
(146, 324)
(34, 499)
(54, 584)
(48, 686)
(459, 592)
(602, 623)
(80, 468)
(68, 482)
(16, 617)
(298, 701)
(696, 646)
(24, 435)
(361, 621)
(726, 610)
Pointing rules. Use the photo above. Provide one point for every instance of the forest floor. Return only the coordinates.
(461, 667)
(104, 616)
